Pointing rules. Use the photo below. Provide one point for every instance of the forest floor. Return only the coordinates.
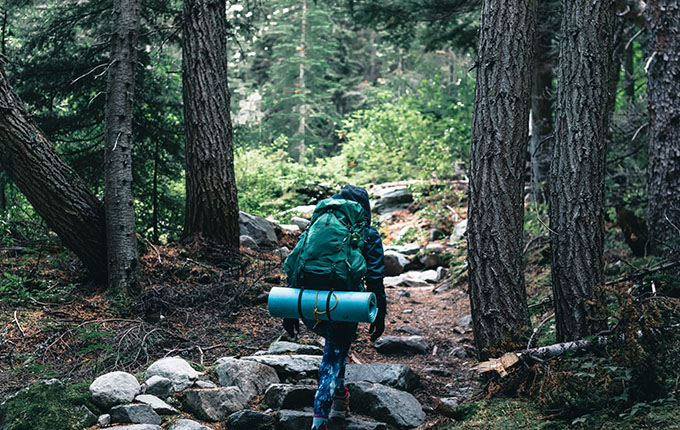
(56, 323)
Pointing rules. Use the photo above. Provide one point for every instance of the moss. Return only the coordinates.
(51, 406)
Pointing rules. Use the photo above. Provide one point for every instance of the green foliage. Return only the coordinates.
(48, 405)
(16, 290)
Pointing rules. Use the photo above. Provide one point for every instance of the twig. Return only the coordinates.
(158, 254)
(638, 131)
(542, 303)
(632, 38)
(88, 73)
(649, 61)
(642, 273)
(537, 329)
(16, 320)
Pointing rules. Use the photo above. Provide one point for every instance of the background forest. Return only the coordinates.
(329, 92)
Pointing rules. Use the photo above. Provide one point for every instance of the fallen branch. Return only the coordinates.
(16, 320)
(643, 272)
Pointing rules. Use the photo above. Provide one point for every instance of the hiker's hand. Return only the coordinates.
(292, 325)
(377, 328)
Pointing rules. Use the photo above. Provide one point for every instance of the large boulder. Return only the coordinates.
(283, 347)
(214, 404)
(113, 389)
(176, 370)
(158, 405)
(136, 427)
(459, 232)
(158, 386)
(135, 414)
(251, 377)
(187, 425)
(392, 199)
(402, 345)
(408, 279)
(297, 420)
(250, 420)
(287, 396)
(287, 365)
(259, 229)
(394, 263)
(386, 404)
(398, 376)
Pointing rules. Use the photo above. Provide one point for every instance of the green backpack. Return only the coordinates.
(328, 255)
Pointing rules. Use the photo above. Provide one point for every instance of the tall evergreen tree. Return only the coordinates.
(499, 143)
(211, 199)
(663, 90)
(578, 166)
(121, 234)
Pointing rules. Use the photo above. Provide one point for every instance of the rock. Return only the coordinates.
(290, 228)
(287, 365)
(302, 223)
(403, 293)
(392, 199)
(87, 418)
(459, 352)
(414, 331)
(205, 384)
(135, 414)
(465, 321)
(247, 242)
(282, 252)
(113, 389)
(137, 427)
(397, 376)
(176, 370)
(408, 249)
(250, 420)
(297, 420)
(459, 232)
(437, 248)
(214, 404)
(402, 345)
(287, 396)
(408, 279)
(251, 377)
(158, 386)
(427, 276)
(435, 234)
(158, 405)
(187, 425)
(445, 286)
(104, 420)
(258, 228)
(431, 260)
(386, 404)
(413, 265)
(283, 347)
(438, 371)
(442, 272)
(394, 263)
(304, 211)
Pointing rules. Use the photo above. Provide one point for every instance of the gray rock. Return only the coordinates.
(430, 276)
(251, 377)
(247, 242)
(394, 263)
(214, 404)
(290, 228)
(135, 414)
(392, 199)
(158, 405)
(435, 234)
(104, 420)
(459, 232)
(394, 375)
(283, 347)
(305, 211)
(136, 427)
(250, 420)
(408, 329)
(402, 345)
(459, 352)
(261, 230)
(282, 253)
(87, 418)
(287, 365)
(204, 384)
(437, 371)
(445, 286)
(408, 279)
(113, 389)
(431, 260)
(297, 420)
(442, 272)
(386, 404)
(408, 249)
(403, 293)
(287, 396)
(187, 425)
(158, 386)
(300, 222)
(465, 321)
(176, 370)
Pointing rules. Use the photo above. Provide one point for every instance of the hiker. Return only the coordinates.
(332, 397)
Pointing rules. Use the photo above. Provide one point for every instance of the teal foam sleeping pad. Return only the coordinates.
(351, 306)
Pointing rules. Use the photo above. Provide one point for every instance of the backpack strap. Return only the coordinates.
(299, 303)
(328, 304)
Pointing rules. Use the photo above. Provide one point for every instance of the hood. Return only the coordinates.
(357, 194)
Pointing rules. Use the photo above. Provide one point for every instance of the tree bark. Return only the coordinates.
(499, 144)
(302, 124)
(663, 91)
(211, 201)
(54, 190)
(578, 166)
(121, 234)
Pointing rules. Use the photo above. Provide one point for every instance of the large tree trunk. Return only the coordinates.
(302, 124)
(121, 235)
(211, 201)
(54, 190)
(578, 166)
(663, 90)
(499, 144)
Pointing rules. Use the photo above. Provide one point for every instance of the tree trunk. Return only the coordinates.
(663, 90)
(302, 125)
(499, 144)
(211, 201)
(154, 192)
(121, 235)
(54, 190)
(578, 166)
